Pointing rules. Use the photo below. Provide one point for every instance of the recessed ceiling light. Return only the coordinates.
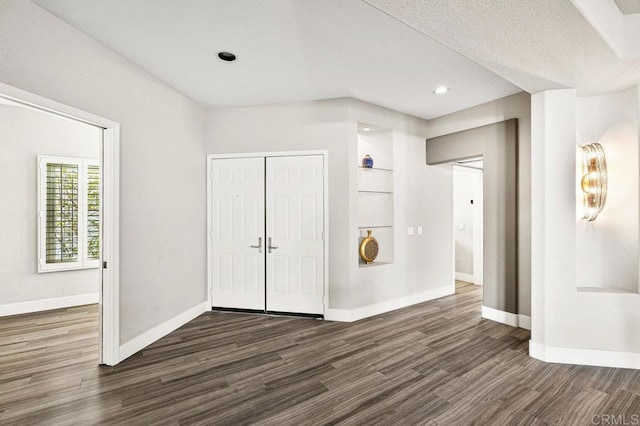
(441, 90)
(366, 129)
(226, 56)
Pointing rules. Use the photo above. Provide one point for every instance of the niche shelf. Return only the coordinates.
(374, 168)
(610, 290)
(375, 191)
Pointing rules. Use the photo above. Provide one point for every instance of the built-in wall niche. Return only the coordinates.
(607, 248)
(375, 191)
(378, 144)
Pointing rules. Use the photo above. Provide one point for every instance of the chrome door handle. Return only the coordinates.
(259, 246)
(269, 246)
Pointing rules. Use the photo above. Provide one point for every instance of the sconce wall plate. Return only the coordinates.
(594, 180)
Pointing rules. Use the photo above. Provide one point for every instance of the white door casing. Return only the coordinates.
(306, 253)
(478, 235)
(294, 232)
(237, 233)
(109, 349)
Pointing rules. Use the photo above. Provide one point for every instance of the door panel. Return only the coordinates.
(237, 221)
(295, 222)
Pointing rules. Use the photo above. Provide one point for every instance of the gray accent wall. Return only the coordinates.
(498, 145)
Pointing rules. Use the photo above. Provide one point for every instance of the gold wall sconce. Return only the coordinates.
(594, 180)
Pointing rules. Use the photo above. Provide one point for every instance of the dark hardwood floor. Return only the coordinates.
(436, 363)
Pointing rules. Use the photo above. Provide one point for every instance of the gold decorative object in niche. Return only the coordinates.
(369, 248)
(593, 181)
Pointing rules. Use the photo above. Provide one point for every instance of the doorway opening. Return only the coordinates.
(467, 224)
(497, 145)
(66, 203)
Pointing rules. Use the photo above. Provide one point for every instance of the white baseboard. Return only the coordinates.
(500, 316)
(524, 321)
(148, 337)
(460, 276)
(598, 358)
(514, 320)
(351, 315)
(48, 304)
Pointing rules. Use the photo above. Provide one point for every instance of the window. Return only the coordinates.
(69, 214)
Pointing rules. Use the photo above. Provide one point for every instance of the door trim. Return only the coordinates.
(478, 233)
(109, 352)
(325, 168)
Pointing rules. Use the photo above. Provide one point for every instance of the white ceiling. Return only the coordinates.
(5, 102)
(628, 7)
(288, 50)
(621, 32)
(537, 45)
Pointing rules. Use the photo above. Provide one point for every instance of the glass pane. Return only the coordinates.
(62, 213)
(93, 213)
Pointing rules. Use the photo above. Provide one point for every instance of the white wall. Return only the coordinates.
(301, 126)
(514, 106)
(162, 166)
(607, 248)
(422, 197)
(465, 186)
(25, 134)
(421, 262)
(564, 315)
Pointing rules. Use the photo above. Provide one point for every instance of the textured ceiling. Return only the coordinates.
(537, 45)
(288, 50)
(620, 32)
(628, 7)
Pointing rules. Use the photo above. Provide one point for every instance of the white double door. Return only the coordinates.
(267, 232)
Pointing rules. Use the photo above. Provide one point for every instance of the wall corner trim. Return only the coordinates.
(514, 320)
(48, 304)
(148, 337)
(594, 357)
(356, 314)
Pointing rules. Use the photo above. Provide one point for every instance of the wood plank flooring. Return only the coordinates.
(463, 287)
(436, 363)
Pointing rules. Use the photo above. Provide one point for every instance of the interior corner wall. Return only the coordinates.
(566, 315)
(25, 134)
(423, 264)
(514, 106)
(162, 166)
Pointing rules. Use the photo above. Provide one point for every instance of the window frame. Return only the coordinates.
(83, 166)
